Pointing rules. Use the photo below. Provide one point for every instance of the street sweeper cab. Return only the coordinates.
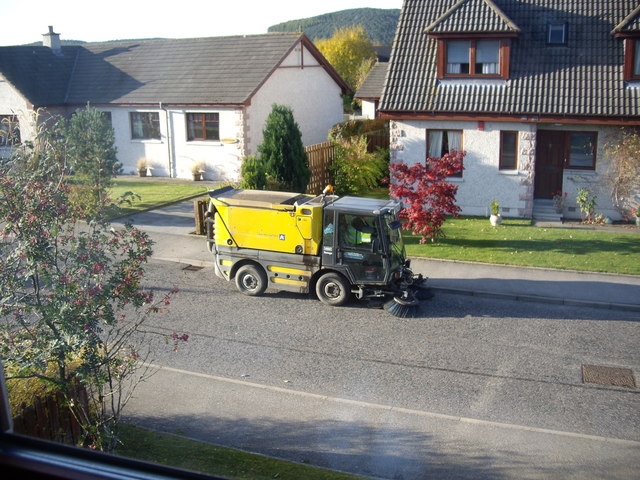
(335, 246)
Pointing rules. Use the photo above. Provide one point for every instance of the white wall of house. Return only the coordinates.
(12, 103)
(221, 159)
(483, 181)
(173, 154)
(369, 109)
(302, 84)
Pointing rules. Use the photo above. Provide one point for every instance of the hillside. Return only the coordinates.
(380, 24)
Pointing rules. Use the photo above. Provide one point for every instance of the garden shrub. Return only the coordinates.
(354, 169)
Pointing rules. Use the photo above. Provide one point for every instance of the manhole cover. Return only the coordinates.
(609, 376)
(192, 268)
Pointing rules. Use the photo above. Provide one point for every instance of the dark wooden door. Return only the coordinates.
(549, 163)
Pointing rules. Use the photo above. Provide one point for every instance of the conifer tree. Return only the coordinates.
(282, 151)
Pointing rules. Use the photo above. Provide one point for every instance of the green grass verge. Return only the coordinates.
(179, 452)
(153, 194)
(516, 242)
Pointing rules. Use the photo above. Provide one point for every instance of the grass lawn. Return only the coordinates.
(150, 446)
(516, 242)
(153, 194)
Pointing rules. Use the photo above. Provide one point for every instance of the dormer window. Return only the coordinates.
(473, 58)
(632, 59)
(557, 34)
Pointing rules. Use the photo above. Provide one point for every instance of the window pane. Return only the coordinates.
(582, 150)
(557, 34)
(508, 150)
(453, 139)
(153, 125)
(458, 56)
(487, 57)
(145, 125)
(203, 126)
(136, 126)
(636, 62)
(194, 126)
(212, 126)
(435, 143)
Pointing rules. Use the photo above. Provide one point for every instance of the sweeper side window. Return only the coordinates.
(358, 238)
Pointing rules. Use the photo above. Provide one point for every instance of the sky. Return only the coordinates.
(24, 21)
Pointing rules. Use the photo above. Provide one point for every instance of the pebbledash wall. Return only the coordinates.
(483, 181)
(300, 82)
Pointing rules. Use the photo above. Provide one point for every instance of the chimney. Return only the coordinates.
(52, 40)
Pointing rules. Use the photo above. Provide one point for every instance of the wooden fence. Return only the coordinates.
(50, 417)
(377, 141)
(320, 158)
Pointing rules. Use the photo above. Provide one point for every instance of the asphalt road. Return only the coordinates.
(472, 388)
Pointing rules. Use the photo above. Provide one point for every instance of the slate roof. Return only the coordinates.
(41, 76)
(583, 78)
(198, 71)
(373, 84)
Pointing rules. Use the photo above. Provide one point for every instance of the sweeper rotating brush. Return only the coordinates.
(403, 306)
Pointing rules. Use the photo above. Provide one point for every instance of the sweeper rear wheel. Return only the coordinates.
(251, 280)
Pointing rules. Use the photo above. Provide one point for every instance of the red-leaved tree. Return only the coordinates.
(426, 193)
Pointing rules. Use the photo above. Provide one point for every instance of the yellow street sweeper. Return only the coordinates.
(335, 246)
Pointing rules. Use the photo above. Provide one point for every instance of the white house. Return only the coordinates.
(531, 90)
(177, 102)
(370, 91)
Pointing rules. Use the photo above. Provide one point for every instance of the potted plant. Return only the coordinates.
(197, 170)
(635, 213)
(144, 167)
(495, 217)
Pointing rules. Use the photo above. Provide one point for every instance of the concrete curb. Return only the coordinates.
(156, 207)
(519, 267)
(625, 307)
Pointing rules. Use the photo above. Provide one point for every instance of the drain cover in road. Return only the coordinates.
(609, 376)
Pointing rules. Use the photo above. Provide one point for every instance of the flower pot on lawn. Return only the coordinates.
(495, 220)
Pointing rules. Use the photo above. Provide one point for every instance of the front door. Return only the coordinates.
(549, 163)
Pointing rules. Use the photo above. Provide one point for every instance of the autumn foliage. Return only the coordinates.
(426, 193)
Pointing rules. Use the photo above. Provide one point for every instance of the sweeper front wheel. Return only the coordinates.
(332, 289)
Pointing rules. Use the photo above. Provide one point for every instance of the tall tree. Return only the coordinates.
(72, 303)
(282, 151)
(350, 52)
(91, 152)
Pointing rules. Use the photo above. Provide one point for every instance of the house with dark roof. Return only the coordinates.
(370, 91)
(179, 102)
(531, 90)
